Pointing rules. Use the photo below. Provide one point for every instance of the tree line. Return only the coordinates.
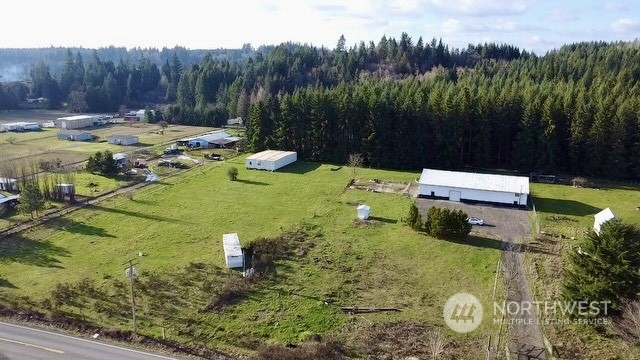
(400, 103)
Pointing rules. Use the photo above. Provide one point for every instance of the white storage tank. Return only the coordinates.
(363, 212)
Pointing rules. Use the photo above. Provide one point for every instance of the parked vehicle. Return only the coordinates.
(475, 221)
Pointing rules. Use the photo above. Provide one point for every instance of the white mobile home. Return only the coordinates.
(122, 139)
(232, 251)
(271, 160)
(20, 126)
(74, 135)
(464, 186)
(601, 218)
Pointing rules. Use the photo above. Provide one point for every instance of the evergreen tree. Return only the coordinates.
(31, 199)
(606, 267)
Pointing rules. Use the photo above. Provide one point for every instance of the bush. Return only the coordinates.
(232, 173)
(447, 224)
(414, 219)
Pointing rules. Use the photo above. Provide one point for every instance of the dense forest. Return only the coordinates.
(400, 103)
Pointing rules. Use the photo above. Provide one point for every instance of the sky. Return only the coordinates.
(533, 25)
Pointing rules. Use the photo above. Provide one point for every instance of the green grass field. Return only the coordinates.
(180, 221)
(569, 211)
(566, 213)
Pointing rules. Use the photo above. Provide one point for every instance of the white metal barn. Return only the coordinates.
(464, 186)
(601, 218)
(75, 122)
(271, 160)
(232, 250)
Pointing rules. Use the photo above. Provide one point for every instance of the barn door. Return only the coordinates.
(454, 195)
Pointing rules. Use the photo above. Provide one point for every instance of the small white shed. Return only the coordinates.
(363, 212)
(232, 250)
(601, 218)
(271, 160)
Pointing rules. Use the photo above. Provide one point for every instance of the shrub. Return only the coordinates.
(414, 219)
(232, 173)
(447, 224)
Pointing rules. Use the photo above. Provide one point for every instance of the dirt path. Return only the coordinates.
(526, 338)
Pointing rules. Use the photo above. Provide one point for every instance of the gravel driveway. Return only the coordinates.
(512, 226)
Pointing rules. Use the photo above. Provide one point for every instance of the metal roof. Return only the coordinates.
(231, 244)
(602, 217)
(270, 155)
(477, 181)
(5, 199)
(75, 118)
(210, 137)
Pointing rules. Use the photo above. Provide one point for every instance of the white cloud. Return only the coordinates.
(625, 25)
(480, 7)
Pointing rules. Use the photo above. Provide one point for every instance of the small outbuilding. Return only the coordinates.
(271, 160)
(363, 212)
(121, 159)
(233, 256)
(9, 184)
(601, 218)
(124, 140)
(20, 126)
(74, 135)
(474, 187)
(62, 191)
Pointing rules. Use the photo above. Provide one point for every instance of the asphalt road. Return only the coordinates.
(22, 343)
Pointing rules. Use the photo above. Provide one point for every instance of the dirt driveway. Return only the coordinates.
(511, 226)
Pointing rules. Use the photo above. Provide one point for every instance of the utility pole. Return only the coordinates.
(130, 272)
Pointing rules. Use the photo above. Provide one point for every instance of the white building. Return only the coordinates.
(464, 186)
(363, 212)
(601, 218)
(75, 122)
(206, 140)
(232, 251)
(74, 135)
(271, 160)
(20, 126)
(122, 139)
(8, 184)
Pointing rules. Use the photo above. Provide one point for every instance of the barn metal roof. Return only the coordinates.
(477, 181)
(270, 155)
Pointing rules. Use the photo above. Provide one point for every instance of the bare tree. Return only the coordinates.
(354, 162)
(78, 102)
(628, 325)
(436, 343)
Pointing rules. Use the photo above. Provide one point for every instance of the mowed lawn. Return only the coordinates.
(569, 211)
(181, 221)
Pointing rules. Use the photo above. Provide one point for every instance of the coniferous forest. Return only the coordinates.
(402, 104)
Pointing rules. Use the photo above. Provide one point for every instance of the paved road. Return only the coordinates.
(22, 343)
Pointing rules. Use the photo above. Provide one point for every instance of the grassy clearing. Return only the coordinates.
(178, 226)
(567, 213)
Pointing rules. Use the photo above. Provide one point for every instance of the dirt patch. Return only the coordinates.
(376, 185)
(360, 223)
(402, 340)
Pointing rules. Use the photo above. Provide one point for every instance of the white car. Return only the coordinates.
(475, 221)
